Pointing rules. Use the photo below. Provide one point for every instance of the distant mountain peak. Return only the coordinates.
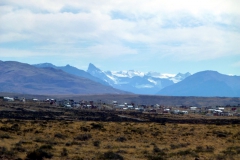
(72, 70)
(208, 72)
(94, 71)
(45, 65)
(91, 68)
(205, 83)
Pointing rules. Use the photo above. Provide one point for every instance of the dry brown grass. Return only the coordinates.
(129, 140)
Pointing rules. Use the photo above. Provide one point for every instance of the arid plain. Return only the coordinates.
(42, 131)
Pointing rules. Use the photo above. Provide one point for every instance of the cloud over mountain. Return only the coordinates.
(136, 34)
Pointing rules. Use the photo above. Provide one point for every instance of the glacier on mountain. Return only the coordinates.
(136, 81)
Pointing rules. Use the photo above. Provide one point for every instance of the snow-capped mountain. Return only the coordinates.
(115, 75)
(130, 80)
(136, 81)
(94, 71)
(160, 75)
(129, 73)
(174, 77)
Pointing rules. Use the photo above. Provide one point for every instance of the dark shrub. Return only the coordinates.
(188, 134)
(18, 147)
(77, 158)
(96, 143)
(137, 130)
(155, 133)
(47, 147)
(221, 157)
(83, 137)
(6, 153)
(221, 134)
(15, 127)
(199, 149)
(64, 152)
(121, 139)
(39, 139)
(3, 150)
(181, 145)
(85, 129)
(155, 157)
(209, 149)
(37, 131)
(38, 154)
(97, 126)
(237, 135)
(51, 142)
(111, 156)
(68, 144)
(187, 152)
(233, 150)
(59, 135)
(6, 136)
(158, 151)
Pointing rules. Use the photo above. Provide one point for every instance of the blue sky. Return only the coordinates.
(167, 36)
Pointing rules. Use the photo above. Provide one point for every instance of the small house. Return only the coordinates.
(120, 106)
(184, 112)
(8, 99)
(130, 107)
(193, 108)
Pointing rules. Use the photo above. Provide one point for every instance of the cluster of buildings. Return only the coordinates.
(153, 109)
(182, 110)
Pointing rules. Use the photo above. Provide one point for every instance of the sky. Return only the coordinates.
(166, 36)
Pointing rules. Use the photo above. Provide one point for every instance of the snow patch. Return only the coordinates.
(112, 78)
(152, 81)
(167, 75)
(129, 73)
(144, 86)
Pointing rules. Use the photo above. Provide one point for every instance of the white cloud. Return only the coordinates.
(109, 50)
(8, 53)
(186, 30)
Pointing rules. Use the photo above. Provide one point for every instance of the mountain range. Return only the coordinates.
(135, 81)
(72, 70)
(131, 81)
(47, 78)
(204, 83)
(24, 78)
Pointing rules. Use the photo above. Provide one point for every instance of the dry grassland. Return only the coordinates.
(22, 139)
